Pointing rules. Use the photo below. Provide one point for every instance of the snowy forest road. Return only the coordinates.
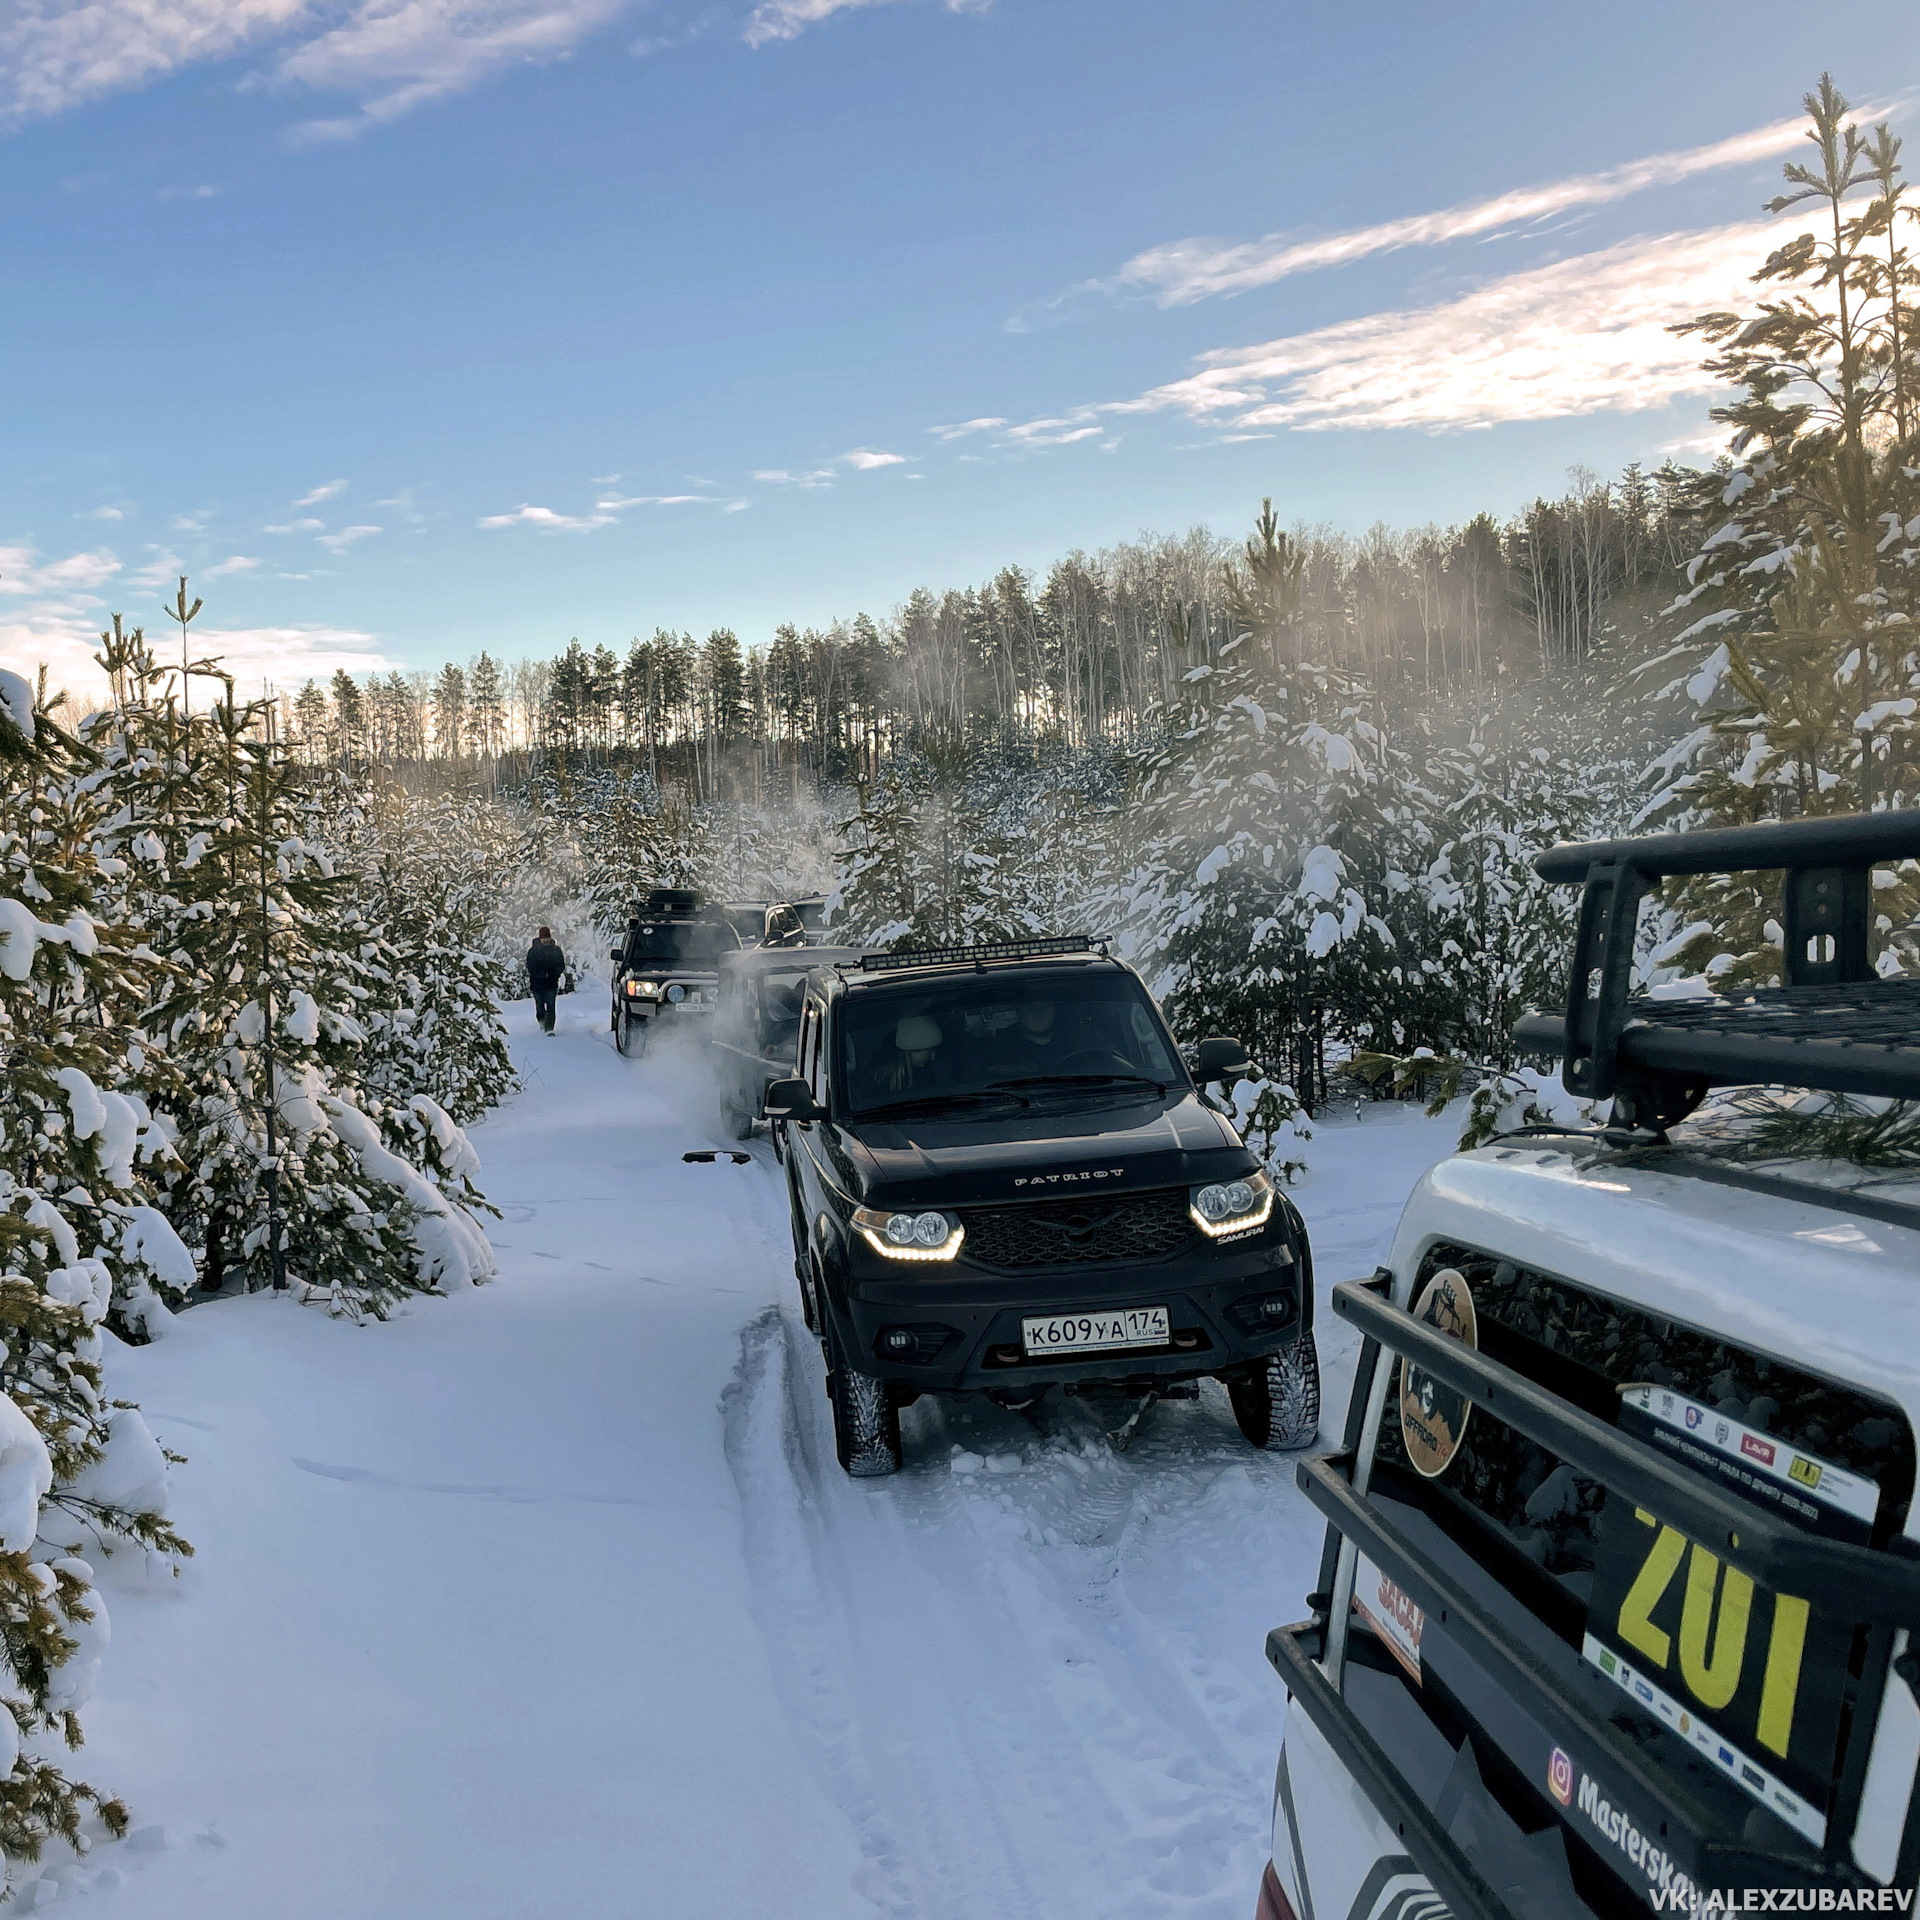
(549, 1599)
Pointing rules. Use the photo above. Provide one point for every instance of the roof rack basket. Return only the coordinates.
(977, 956)
(1834, 1025)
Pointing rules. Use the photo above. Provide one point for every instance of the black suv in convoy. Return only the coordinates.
(1003, 1177)
(756, 1023)
(669, 964)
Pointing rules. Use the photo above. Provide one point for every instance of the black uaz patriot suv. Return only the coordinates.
(1003, 1177)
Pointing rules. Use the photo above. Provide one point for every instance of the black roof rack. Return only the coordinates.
(1834, 1025)
(978, 956)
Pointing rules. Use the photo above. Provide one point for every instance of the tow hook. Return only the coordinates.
(1121, 1437)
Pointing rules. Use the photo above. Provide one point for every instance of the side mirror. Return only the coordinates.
(616, 954)
(1219, 1058)
(791, 1100)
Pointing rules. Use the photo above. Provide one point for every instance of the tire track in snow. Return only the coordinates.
(1035, 1688)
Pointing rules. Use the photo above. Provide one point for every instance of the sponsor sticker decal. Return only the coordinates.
(1806, 1471)
(1433, 1417)
(1757, 1449)
(1390, 1611)
(1560, 1777)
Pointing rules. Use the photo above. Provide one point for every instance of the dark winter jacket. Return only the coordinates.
(545, 963)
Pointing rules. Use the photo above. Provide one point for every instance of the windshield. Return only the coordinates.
(1004, 1038)
(679, 943)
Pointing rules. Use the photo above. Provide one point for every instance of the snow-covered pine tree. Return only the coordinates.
(76, 1471)
(1479, 937)
(1798, 652)
(279, 1168)
(921, 859)
(429, 873)
(1270, 801)
(630, 837)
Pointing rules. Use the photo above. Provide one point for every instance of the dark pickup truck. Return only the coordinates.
(1004, 1178)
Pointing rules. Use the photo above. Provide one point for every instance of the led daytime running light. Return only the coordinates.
(873, 1230)
(1258, 1216)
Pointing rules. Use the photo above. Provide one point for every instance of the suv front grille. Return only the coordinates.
(1067, 1232)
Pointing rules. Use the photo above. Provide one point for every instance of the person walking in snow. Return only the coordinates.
(545, 964)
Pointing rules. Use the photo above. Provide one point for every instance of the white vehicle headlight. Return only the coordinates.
(1232, 1206)
(646, 989)
(910, 1236)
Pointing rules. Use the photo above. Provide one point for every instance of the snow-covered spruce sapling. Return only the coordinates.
(1796, 645)
(67, 1151)
(226, 881)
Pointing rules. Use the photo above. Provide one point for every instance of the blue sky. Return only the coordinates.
(409, 327)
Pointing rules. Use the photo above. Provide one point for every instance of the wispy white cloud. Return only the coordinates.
(961, 429)
(297, 526)
(606, 511)
(388, 56)
(234, 563)
(191, 522)
(58, 53)
(102, 513)
(548, 520)
(395, 55)
(330, 490)
(785, 477)
(1183, 271)
(1589, 334)
(24, 572)
(788, 19)
(347, 537)
(867, 459)
(1055, 430)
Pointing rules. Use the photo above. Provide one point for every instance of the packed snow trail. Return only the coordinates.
(549, 1600)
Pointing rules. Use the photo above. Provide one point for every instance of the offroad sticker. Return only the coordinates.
(1388, 1610)
(1433, 1418)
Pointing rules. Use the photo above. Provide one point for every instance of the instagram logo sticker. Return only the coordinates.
(1560, 1777)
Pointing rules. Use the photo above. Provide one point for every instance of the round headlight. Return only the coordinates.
(1225, 1200)
(900, 1229)
(930, 1230)
(676, 992)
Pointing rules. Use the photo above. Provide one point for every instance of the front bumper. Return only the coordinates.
(967, 1320)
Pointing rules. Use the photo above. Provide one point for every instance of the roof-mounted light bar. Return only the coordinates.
(979, 956)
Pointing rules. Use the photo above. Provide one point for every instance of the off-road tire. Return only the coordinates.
(737, 1114)
(630, 1035)
(866, 1423)
(1276, 1402)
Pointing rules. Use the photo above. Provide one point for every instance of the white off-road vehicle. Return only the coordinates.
(1620, 1572)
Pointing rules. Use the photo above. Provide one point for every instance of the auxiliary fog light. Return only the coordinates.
(898, 1340)
(676, 993)
(911, 1235)
(1232, 1206)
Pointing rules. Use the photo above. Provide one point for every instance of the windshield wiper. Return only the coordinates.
(1079, 1080)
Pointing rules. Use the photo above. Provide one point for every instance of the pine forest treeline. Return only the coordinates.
(1086, 656)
